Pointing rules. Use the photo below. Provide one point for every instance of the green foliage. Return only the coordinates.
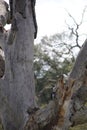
(80, 127)
(1, 127)
(52, 58)
(45, 95)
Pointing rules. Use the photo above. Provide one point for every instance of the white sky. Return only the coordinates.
(51, 15)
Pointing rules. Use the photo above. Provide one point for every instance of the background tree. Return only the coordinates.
(51, 59)
(55, 55)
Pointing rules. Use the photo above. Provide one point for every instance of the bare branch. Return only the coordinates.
(75, 31)
(83, 13)
(71, 16)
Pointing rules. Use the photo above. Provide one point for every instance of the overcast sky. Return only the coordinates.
(51, 14)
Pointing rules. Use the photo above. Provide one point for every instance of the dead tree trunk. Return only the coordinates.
(17, 87)
(78, 96)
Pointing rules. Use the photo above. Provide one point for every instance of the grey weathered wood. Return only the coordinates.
(17, 87)
(79, 73)
(80, 117)
(3, 12)
(44, 118)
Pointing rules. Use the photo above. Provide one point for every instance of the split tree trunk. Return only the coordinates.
(78, 97)
(69, 108)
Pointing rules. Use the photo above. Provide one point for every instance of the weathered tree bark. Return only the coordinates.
(78, 96)
(44, 118)
(17, 87)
